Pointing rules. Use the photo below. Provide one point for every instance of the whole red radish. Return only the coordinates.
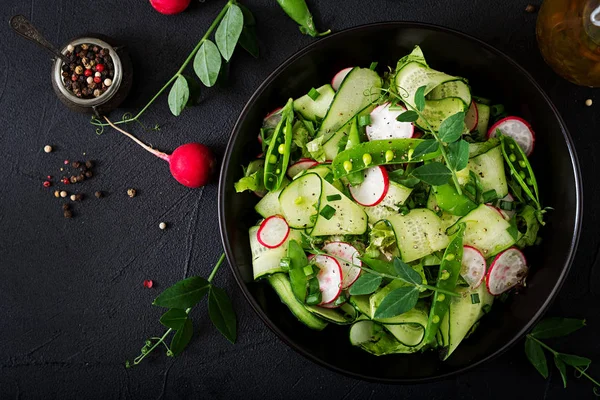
(170, 7)
(191, 164)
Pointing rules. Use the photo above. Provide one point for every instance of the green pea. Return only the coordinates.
(445, 275)
(441, 297)
(389, 156)
(512, 157)
(347, 166)
(522, 174)
(435, 319)
(512, 146)
(529, 181)
(367, 159)
(272, 159)
(281, 148)
(450, 257)
(522, 163)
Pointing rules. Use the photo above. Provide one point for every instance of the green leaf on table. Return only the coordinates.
(425, 147)
(562, 368)
(408, 116)
(207, 63)
(367, 283)
(458, 155)
(406, 273)
(556, 327)
(174, 318)
(420, 98)
(574, 361)
(184, 294)
(434, 173)
(221, 313)
(452, 127)
(179, 95)
(182, 337)
(248, 39)
(535, 355)
(195, 90)
(249, 19)
(229, 30)
(397, 302)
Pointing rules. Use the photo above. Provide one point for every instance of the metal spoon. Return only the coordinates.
(25, 28)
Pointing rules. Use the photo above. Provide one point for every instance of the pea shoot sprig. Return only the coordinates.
(234, 24)
(551, 328)
(180, 299)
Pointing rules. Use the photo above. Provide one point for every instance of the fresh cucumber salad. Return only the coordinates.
(397, 204)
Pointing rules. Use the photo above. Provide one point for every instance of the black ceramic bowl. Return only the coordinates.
(492, 74)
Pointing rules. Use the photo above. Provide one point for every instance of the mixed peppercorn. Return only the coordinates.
(90, 72)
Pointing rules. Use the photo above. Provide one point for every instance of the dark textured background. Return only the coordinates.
(72, 303)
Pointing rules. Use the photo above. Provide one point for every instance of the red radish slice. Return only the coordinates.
(338, 78)
(518, 129)
(373, 189)
(384, 124)
(508, 213)
(300, 166)
(260, 193)
(273, 231)
(508, 269)
(347, 257)
(330, 305)
(272, 119)
(473, 266)
(472, 117)
(329, 276)
(496, 209)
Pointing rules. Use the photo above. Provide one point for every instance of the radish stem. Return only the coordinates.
(157, 153)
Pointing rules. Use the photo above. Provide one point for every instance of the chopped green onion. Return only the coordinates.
(308, 270)
(397, 107)
(486, 308)
(506, 205)
(503, 297)
(489, 196)
(314, 94)
(373, 65)
(313, 299)
(334, 197)
(329, 177)
(404, 210)
(364, 120)
(471, 189)
(475, 298)
(327, 212)
(284, 263)
(340, 300)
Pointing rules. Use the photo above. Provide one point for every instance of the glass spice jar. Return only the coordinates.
(114, 94)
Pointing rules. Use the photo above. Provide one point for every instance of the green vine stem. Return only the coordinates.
(211, 28)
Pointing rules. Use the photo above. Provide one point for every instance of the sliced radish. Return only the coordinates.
(330, 305)
(473, 266)
(384, 124)
(373, 189)
(338, 78)
(347, 257)
(499, 211)
(518, 129)
(508, 269)
(472, 117)
(272, 119)
(300, 166)
(508, 213)
(329, 276)
(273, 231)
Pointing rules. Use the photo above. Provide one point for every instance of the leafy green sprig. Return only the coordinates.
(552, 328)
(234, 24)
(180, 299)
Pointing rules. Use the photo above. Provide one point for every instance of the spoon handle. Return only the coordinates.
(25, 28)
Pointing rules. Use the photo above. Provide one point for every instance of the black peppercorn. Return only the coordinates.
(80, 178)
(76, 85)
(77, 48)
(98, 194)
(95, 49)
(66, 74)
(76, 164)
(89, 164)
(88, 174)
(65, 207)
(73, 179)
(65, 68)
(81, 78)
(68, 214)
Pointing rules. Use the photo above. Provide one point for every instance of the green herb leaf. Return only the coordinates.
(397, 302)
(406, 273)
(512, 230)
(249, 19)
(229, 31)
(327, 212)
(535, 355)
(373, 65)
(174, 318)
(434, 173)
(249, 41)
(556, 327)
(182, 337)
(408, 116)
(574, 361)
(452, 127)
(179, 95)
(420, 98)
(207, 63)
(425, 147)
(458, 155)
(221, 313)
(562, 368)
(184, 294)
(367, 283)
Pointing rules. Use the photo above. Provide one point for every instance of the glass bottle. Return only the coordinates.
(568, 34)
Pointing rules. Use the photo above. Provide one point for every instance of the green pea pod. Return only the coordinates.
(520, 169)
(355, 178)
(299, 12)
(280, 147)
(447, 278)
(298, 278)
(450, 201)
(378, 152)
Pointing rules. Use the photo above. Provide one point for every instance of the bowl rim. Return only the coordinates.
(228, 249)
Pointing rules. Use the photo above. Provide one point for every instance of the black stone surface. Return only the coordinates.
(73, 307)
